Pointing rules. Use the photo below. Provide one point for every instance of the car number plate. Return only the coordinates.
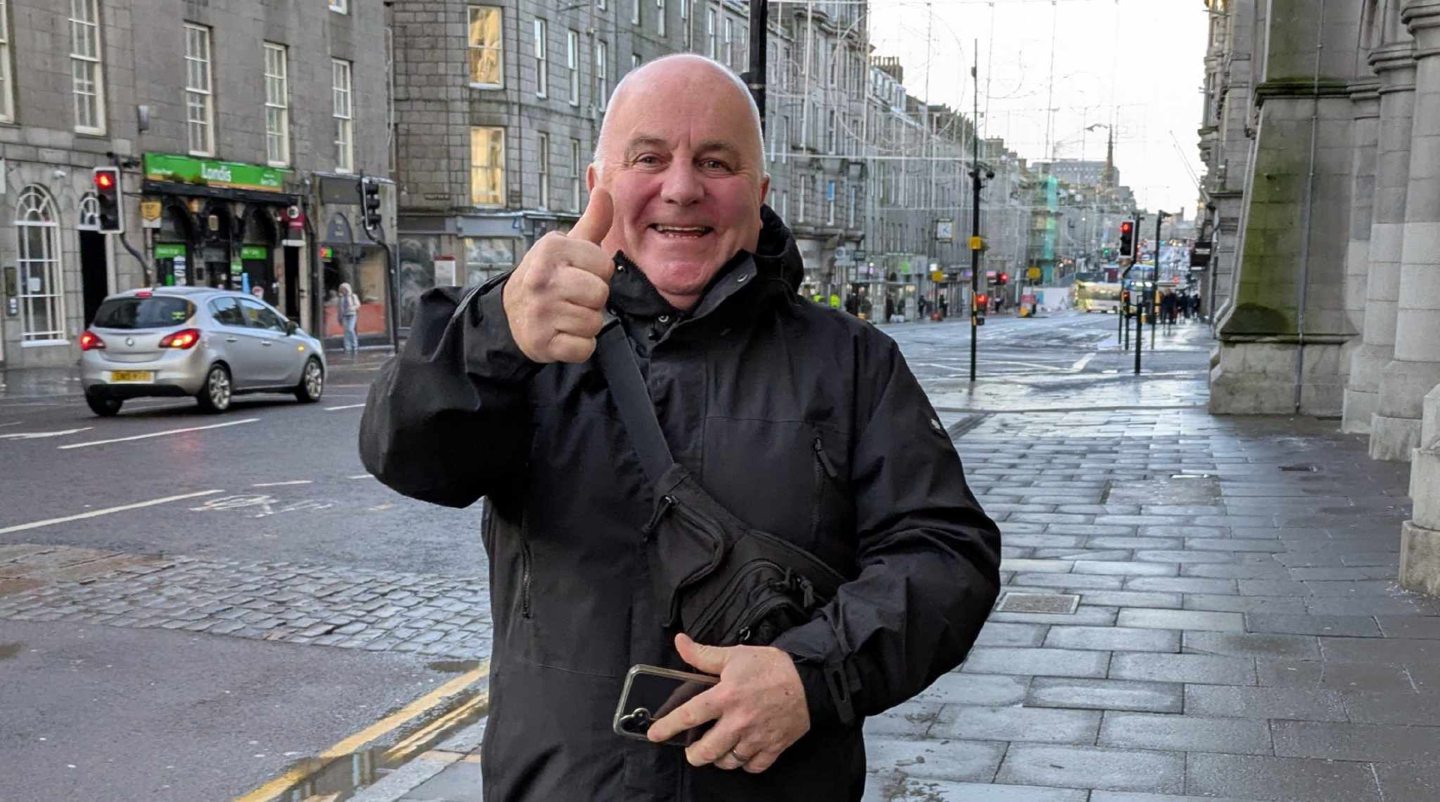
(143, 376)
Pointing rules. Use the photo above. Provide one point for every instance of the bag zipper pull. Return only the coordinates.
(666, 502)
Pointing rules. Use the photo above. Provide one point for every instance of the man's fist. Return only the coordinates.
(556, 298)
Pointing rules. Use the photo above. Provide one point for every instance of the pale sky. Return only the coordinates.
(1138, 64)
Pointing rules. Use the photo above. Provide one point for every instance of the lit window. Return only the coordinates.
(199, 99)
(86, 74)
(487, 166)
(277, 105)
(486, 48)
(344, 117)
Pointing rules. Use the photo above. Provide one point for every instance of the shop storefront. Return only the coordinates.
(222, 224)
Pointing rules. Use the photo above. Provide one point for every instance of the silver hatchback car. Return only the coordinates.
(207, 343)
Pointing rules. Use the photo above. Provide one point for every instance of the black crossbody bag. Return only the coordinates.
(720, 581)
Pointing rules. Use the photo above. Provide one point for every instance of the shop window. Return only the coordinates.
(42, 294)
(486, 258)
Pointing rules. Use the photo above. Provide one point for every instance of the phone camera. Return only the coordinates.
(636, 721)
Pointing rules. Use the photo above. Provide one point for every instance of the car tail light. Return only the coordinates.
(143, 294)
(184, 338)
(90, 340)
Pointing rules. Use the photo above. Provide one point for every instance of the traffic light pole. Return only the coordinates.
(1155, 280)
(974, 226)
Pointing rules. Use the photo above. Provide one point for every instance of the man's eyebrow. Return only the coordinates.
(644, 141)
(718, 145)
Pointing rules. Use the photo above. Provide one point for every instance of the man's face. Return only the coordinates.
(682, 163)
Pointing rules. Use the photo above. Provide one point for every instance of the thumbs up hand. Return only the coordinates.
(556, 298)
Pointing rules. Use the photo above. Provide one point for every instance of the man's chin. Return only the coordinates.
(680, 276)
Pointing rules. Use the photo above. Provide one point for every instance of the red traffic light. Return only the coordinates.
(1003, 278)
(1126, 227)
(104, 180)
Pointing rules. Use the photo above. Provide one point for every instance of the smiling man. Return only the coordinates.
(803, 421)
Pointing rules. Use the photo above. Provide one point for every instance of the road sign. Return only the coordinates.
(1033, 273)
(977, 243)
(937, 276)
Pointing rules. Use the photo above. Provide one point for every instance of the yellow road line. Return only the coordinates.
(426, 733)
(385, 725)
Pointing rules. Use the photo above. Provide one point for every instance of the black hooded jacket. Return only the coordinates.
(803, 420)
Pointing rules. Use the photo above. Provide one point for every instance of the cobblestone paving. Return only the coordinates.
(441, 616)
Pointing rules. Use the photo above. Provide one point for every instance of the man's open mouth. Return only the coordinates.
(681, 232)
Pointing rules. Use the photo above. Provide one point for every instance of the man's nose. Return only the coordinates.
(683, 185)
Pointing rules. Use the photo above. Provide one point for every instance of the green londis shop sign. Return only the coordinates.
(233, 175)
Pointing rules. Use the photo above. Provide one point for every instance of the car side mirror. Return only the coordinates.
(291, 327)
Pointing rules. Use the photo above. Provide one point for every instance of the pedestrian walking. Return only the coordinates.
(801, 422)
(347, 308)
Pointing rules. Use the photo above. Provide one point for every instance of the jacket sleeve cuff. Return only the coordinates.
(488, 338)
(829, 682)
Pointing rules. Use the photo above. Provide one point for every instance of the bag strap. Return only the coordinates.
(637, 411)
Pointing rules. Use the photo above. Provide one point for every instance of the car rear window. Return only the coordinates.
(155, 312)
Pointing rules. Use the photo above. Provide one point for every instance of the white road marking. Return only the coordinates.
(160, 434)
(1082, 362)
(96, 513)
(42, 435)
(11, 423)
(360, 476)
(284, 484)
(347, 406)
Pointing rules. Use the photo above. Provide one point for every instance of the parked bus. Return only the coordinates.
(1095, 296)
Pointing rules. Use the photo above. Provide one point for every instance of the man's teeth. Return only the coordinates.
(682, 229)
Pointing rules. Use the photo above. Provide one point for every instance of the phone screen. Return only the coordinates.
(650, 693)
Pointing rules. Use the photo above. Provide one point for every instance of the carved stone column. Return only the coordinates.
(1415, 369)
(1365, 99)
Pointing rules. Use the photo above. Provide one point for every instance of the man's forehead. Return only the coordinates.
(708, 144)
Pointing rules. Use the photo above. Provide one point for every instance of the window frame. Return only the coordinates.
(496, 144)
(281, 109)
(687, 34)
(572, 63)
(576, 168)
(541, 47)
(344, 122)
(497, 47)
(340, 6)
(660, 17)
(602, 74)
(93, 101)
(196, 96)
(712, 34)
(542, 167)
(35, 208)
(7, 95)
(635, 12)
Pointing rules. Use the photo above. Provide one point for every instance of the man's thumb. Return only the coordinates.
(594, 224)
(710, 659)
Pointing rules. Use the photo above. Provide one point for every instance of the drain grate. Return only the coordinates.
(1299, 468)
(1047, 603)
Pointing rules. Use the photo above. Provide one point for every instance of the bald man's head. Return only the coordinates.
(681, 155)
(670, 66)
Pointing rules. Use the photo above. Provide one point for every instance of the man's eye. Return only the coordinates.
(714, 164)
(648, 159)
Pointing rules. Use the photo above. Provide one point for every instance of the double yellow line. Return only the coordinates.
(400, 718)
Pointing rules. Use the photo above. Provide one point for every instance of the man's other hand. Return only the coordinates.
(556, 298)
(758, 706)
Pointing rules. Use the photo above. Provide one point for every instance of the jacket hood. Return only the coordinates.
(777, 255)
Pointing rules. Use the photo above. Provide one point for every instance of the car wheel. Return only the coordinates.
(214, 396)
(102, 406)
(312, 383)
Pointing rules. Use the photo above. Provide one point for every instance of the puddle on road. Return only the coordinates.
(340, 778)
(453, 666)
(9, 650)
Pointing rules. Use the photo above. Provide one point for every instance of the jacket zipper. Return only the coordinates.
(525, 579)
(822, 464)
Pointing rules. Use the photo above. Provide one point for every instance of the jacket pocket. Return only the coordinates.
(825, 471)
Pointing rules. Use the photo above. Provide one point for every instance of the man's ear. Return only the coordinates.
(592, 176)
(765, 188)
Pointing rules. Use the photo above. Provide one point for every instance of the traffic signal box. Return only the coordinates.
(370, 203)
(1127, 239)
(109, 200)
(982, 303)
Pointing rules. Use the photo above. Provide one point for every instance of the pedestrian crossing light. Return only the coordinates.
(370, 203)
(111, 210)
(1127, 239)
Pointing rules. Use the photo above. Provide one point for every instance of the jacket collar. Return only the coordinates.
(775, 267)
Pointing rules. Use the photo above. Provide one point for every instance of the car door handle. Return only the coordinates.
(232, 339)
(267, 343)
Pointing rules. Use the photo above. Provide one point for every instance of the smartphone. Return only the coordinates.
(650, 693)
